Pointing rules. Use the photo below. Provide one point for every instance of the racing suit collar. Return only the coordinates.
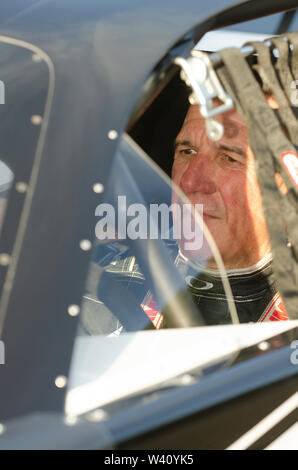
(181, 259)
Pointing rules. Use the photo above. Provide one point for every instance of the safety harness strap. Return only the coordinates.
(293, 39)
(282, 66)
(271, 85)
(269, 144)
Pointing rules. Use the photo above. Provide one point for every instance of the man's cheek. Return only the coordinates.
(254, 199)
(173, 174)
(174, 171)
(234, 204)
(232, 196)
(178, 170)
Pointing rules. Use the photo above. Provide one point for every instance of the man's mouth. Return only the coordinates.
(208, 212)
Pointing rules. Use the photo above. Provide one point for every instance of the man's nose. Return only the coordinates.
(199, 175)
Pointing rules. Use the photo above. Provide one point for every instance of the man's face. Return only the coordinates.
(221, 175)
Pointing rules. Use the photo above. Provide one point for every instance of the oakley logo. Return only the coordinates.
(198, 284)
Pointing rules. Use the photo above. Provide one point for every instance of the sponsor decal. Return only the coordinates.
(275, 311)
(290, 162)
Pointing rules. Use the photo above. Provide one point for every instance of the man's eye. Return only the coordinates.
(229, 159)
(188, 151)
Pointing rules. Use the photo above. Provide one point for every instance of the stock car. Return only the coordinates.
(92, 99)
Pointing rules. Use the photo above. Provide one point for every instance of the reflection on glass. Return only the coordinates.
(150, 257)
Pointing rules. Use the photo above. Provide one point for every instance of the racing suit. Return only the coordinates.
(254, 291)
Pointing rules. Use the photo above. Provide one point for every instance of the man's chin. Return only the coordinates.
(199, 255)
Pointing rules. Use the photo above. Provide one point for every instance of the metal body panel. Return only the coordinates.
(220, 426)
(218, 389)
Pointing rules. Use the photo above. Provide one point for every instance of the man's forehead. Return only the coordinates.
(229, 116)
(233, 123)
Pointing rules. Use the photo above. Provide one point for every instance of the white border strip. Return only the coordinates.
(266, 424)
(287, 441)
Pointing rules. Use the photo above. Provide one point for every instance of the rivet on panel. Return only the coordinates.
(112, 134)
(97, 415)
(36, 58)
(4, 259)
(36, 119)
(70, 420)
(264, 346)
(60, 381)
(85, 245)
(2, 429)
(98, 188)
(21, 187)
(73, 310)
